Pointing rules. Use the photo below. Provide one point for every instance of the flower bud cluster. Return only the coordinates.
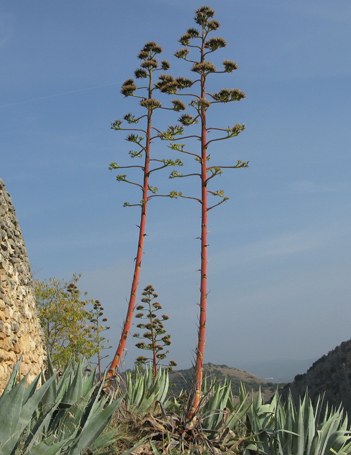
(95, 314)
(226, 95)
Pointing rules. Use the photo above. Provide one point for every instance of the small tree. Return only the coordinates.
(142, 141)
(156, 334)
(64, 320)
(201, 102)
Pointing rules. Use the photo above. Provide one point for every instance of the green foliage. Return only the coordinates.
(64, 416)
(64, 320)
(156, 335)
(171, 132)
(69, 332)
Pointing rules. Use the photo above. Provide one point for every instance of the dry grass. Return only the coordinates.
(158, 432)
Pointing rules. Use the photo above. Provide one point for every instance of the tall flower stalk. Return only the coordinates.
(142, 139)
(201, 102)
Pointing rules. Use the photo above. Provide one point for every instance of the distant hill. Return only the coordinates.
(182, 380)
(331, 374)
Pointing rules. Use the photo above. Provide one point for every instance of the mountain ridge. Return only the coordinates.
(330, 376)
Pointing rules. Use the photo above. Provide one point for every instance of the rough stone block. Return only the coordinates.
(6, 356)
(6, 344)
(7, 329)
(25, 368)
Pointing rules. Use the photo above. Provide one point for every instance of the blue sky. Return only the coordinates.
(280, 254)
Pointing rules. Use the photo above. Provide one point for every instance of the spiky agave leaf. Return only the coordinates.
(298, 429)
(16, 411)
(27, 415)
(144, 390)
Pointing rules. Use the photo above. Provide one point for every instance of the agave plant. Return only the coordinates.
(143, 390)
(286, 429)
(220, 412)
(65, 415)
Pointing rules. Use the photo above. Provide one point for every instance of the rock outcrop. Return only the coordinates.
(20, 331)
(329, 375)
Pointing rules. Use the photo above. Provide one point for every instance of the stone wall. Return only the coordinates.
(20, 331)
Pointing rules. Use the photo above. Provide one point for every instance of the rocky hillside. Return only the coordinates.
(331, 374)
(182, 380)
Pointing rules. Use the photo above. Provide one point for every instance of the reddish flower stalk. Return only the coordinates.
(148, 66)
(200, 352)
(133, 293)
(201, 104)
(203, 287)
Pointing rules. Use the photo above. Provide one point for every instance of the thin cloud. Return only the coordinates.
(283, 245)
